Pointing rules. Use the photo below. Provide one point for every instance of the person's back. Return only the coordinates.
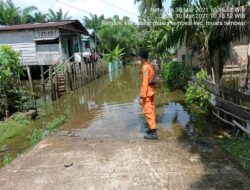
(147, 74)
(147, 95)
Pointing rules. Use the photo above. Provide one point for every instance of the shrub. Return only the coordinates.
(175, 74)
(10, 69)
(197, 93)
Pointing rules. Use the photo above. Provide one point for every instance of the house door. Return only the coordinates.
(70, 47)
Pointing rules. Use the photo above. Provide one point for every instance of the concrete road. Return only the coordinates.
(72, 161)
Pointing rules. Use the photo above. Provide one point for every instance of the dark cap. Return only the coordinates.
(144, 54)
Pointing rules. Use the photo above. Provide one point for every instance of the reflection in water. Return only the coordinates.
(110, 108)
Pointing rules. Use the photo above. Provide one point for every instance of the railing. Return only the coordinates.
(56, 70)
(75, 74)
(229, 106)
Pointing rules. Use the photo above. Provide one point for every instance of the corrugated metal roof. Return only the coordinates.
(44, 25)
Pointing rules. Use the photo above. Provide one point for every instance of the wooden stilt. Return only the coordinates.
(31, 86)
(43, 84)
(51, 83)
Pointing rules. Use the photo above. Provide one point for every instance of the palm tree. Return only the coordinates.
(58, 15)
(93, 22)
(26, 16)
(9, 14)
(146, 5)
(212, 41)
(40, 17)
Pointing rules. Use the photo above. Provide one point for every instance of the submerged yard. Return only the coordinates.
(101, 144)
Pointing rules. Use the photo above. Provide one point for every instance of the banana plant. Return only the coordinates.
(116, 54)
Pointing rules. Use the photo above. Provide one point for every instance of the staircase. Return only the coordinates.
(61, 86)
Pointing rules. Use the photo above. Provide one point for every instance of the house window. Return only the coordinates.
(47, 46)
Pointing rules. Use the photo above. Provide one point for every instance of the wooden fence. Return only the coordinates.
(230, 106)
(70, 75)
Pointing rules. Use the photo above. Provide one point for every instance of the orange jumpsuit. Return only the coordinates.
(147, 93)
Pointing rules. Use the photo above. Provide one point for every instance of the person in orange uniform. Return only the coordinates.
(147, 95)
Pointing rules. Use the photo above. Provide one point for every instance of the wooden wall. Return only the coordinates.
(24, 41)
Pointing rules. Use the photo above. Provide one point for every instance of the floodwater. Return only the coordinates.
(108, 107)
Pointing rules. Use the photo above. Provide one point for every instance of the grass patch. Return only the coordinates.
(7, 159)
(13, 128)
(19, 129)
(57, 121)
(36, 136)
(239, 148)
(39, 134)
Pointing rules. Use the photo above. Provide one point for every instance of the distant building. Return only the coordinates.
(90, 40)
(239, 54)
(90, 43)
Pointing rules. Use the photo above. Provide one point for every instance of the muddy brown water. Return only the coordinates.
(108, 107)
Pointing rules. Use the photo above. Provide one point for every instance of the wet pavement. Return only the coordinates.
(101, 145)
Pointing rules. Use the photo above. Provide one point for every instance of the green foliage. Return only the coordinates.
(13, 127)
(17, 127)
(175, 74)
(10, 69)
(58, 15)
(239, 148)
(9, 64)
(116, 31)
(210, 39)
(7, 159)
(10, 14)
(36, 136)
(147, 5)
(93, 21)
(57, 121)
(114, 55)
(198, 93)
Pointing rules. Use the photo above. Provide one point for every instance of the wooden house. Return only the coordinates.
(44, 44)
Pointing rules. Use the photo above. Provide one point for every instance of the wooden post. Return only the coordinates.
(43, 85)
(56, 89)
(31, 87)
(82, 72)
(51, 82)
(85, 73)
(6, 107)
(248, 128)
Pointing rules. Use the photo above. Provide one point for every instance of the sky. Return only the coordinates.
(98, 7)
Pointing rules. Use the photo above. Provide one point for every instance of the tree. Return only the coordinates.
(93, 22)
(213, 41)
(146, 5)
(123, 34)
(26, 16)
(10, 69)
(58, 15)
(9, 14)
(40, 17)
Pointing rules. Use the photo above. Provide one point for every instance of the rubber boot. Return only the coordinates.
(151, 136)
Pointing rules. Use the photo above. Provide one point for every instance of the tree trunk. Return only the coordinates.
(6, 105)
(216, 66)
(208, 63)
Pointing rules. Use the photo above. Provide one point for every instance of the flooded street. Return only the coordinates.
(101, 145)
(108, 107)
